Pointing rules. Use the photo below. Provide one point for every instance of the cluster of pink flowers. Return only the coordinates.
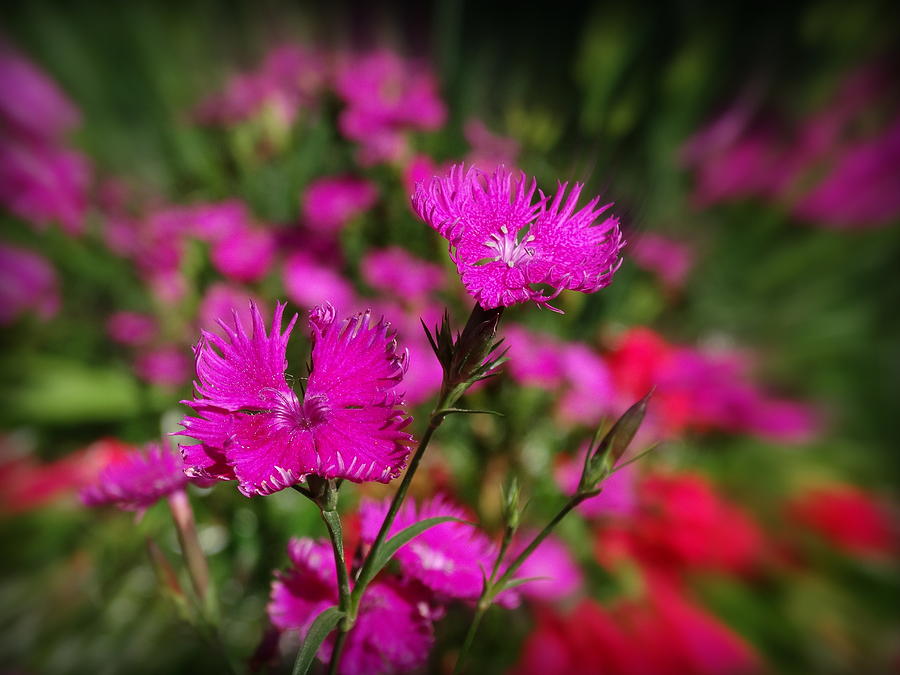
(42, 180)
(386, 96)
(821, 168)
(393, 632)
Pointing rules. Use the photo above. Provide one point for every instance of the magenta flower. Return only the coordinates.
(217, 221)
(392, 634)
(137, 480)
(396, 273)
(386, 96)
(668, 259)
(536, 360)
(589, 393)
(218, 303)
(31, 104)
(43, 184)
(448, 558)
(246, 255)
(131, 328)
(555, 574)
(28, 283)
(330, 203)
(309, 283)
(506, 245)
(252, 426)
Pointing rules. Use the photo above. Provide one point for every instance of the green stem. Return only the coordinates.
(492, 586)
(335, 533)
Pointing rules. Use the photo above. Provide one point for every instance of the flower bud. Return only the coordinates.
(610, 450)
(510, 496)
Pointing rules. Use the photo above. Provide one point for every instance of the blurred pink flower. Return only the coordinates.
(31, 103)
(131, 328)
(860, 190)
(28, 284)
(589, 393)
(488, 150)
(669, 260)
(505, 243)
(43, 184)
(617, 498)
(309, 283)
(138, 480)
(220, 301)
(555, 574)
(328, 204)
(246, 255)
(535, 359)
(392, 634)
(385, 96)
(252, 426)
(290, 77)
(214, 222)
(420, 167)
(167, 366)
(448, 558)
(395, 272)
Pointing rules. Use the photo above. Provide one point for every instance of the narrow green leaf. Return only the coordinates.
(318, 631)
(392, 545)
(469, 411)
(512, 583)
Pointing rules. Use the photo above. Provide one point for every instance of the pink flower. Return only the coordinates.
(131, 328)
(220, 301)
(505, 243)
(489, 150)
(535, 359)
(420, 167)
(138, 480)
(217, 221)
(424, 376)
(668, 259)
(860, 190)
(246, 255)
(309, 283)
(385, 96)
(555, 574)
(43, 184)
(252, 426)
(395, 272)
(392, 634)
(166, 366)
(447, 558)
(28, 283)
(290, 78)
(618, 497)
(328, 204)
(31, 104)
(589, 395)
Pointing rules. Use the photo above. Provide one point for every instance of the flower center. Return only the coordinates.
(509, 248)
(289, 411)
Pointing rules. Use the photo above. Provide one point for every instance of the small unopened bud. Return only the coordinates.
(510, 493)
(610, 450)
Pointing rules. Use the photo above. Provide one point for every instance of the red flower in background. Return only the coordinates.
(680, 525)
(848, 518)
(660, 633)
